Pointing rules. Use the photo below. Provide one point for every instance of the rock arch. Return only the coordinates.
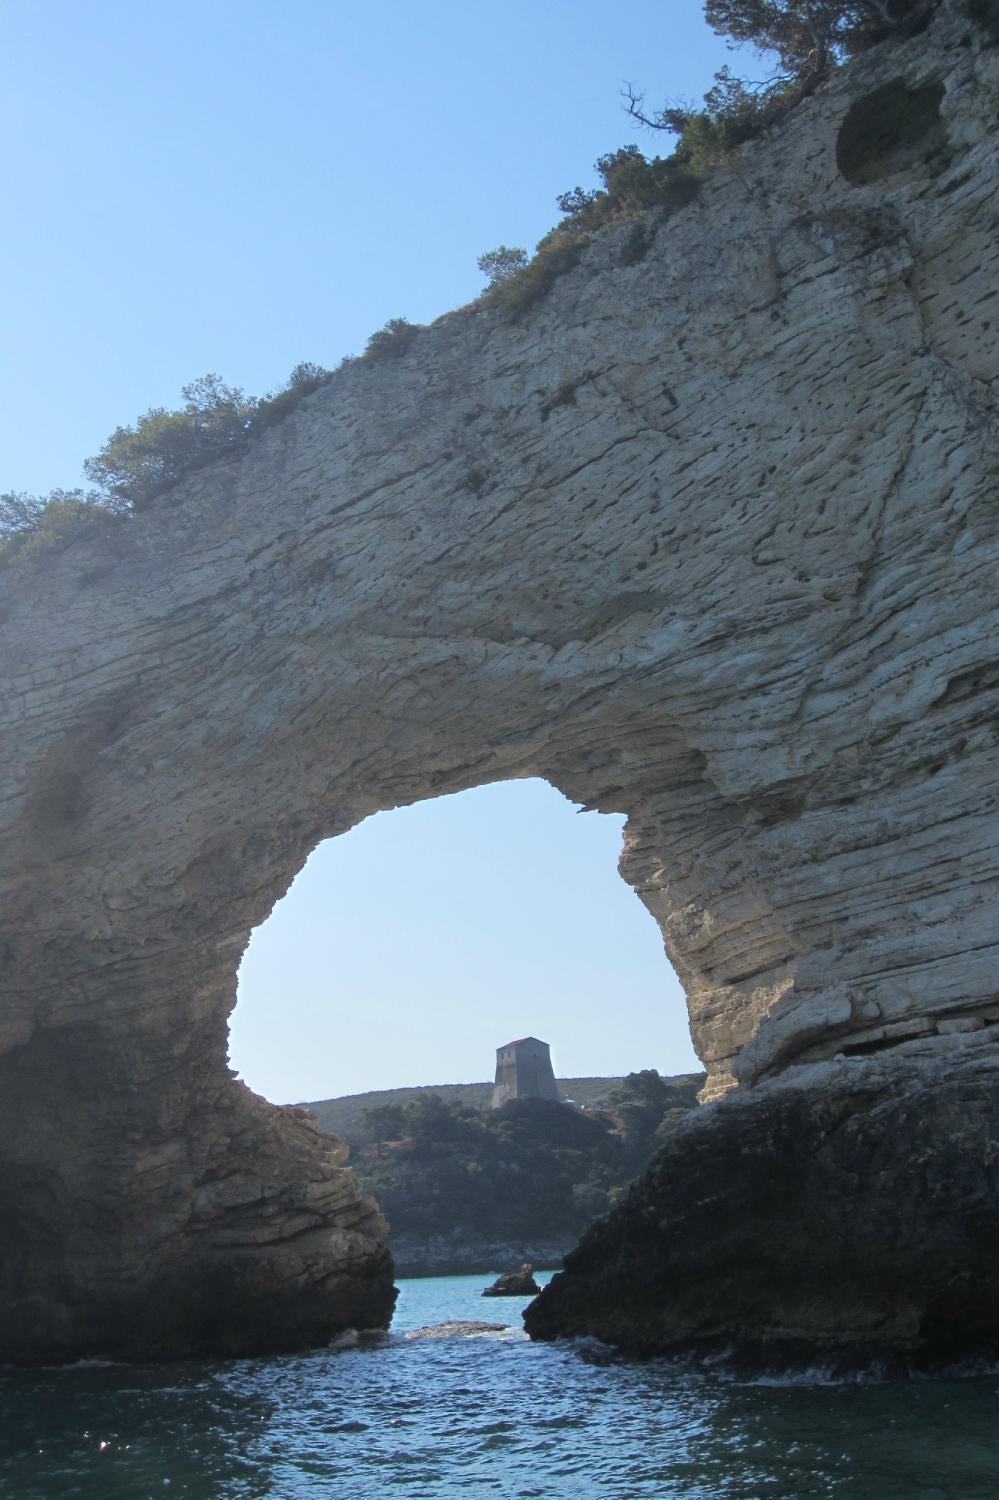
(708, 538)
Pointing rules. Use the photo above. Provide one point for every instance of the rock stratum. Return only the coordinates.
(709, 538)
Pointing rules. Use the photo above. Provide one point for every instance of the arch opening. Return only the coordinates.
(386, 987)
(408, 947)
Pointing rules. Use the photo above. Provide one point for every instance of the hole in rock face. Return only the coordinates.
(410, 948)
(895, 128)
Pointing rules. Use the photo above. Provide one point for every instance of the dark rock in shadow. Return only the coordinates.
(518, 1283)
(848, 1217)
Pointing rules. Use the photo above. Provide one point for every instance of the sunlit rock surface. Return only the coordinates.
(708, 537)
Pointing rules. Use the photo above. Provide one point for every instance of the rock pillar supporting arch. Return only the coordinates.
(709, 539)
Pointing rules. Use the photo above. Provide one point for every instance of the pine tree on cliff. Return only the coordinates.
(810, 36)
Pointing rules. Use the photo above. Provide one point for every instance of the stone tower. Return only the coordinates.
(524, 1071)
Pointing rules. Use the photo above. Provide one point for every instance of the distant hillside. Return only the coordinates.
(469, 1188)
(344, 1116)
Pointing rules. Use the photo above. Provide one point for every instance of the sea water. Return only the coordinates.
(488, 1415)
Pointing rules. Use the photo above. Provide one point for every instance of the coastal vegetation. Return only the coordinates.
(531, 1170)
(141, 461)
(350, 1115)
(803, 42)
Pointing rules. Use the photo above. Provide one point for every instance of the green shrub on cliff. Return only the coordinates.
(30, 524)
(387, 1122)
(631, 185)
(349, 1116)
(139, 462)
(268, 410)
(392, 340)
(808, 39)
(500, 264)
(557, 253)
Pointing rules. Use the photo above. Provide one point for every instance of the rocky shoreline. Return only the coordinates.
(846, 1214)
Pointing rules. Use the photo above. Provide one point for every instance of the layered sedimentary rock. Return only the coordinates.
(707, 537)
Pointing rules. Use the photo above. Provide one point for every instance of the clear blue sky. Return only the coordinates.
(238, 186)
(414, 945)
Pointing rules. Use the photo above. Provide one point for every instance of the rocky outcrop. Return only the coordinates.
(232, 1232)
(460, 1330)
(846, 1214)
(519, 1282)
(708, 537)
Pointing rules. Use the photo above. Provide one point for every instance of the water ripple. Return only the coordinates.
(488, 1416)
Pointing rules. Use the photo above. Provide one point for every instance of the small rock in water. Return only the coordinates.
(518, 1283)
(455, 1330)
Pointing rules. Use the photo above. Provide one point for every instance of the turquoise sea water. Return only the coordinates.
(491, 1415)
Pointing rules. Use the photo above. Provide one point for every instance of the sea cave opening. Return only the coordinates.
(412, 947)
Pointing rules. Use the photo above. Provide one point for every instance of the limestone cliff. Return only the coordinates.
(708, 538)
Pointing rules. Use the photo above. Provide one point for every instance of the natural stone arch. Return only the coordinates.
(702, 540)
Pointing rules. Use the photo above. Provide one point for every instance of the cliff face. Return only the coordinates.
(708, 537)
